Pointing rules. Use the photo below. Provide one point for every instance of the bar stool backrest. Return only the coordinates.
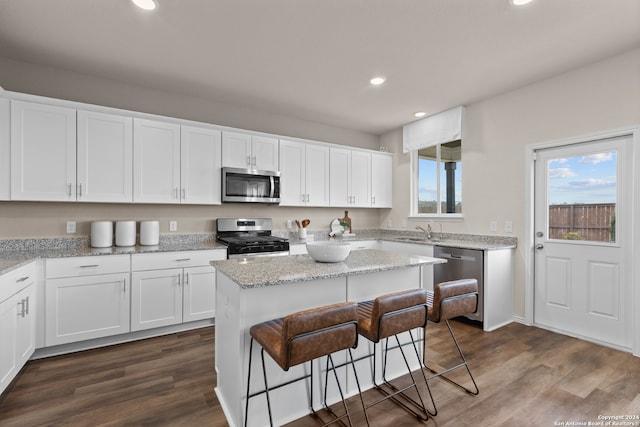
(398, 312)
(453, 299)
(313, 333)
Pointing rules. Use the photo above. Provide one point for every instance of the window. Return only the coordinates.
(438, 180)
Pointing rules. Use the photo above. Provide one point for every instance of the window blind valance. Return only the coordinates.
(433, 130)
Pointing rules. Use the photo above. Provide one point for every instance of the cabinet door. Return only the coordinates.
(381, 181)
(200, 165)
(156, 158)
(199, 296)
(43, 152)
(26, 324)
(236, 150)
(360, 179)
(8, 337)
(105, 153)
(86, 307)
(5, 149)
(156, 298)
(292, 167)
(317, 175)
(264, 152)
(340, 176)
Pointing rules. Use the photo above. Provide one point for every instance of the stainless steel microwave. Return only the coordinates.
(250, 186)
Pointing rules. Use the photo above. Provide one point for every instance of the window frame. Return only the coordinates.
(413, 211)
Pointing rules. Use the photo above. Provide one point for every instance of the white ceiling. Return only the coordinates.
(313, 59)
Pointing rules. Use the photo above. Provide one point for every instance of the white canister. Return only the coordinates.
(101, 234)
(125, 233)
(149, 233)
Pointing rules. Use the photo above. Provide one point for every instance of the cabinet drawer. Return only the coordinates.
(87, 265)
(15, 280)
(181, 259)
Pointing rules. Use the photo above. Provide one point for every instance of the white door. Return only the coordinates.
(360, 179)
(105, 153)
(156, 298)
(199, 297)
(316, 175)
(43, 152)
(340, 165)
(292, 167)
(236, 150)
(582, 240)
(200, 166)
(264, 153)
(156, 157)
(381, 181)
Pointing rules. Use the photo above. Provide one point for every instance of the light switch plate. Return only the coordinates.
(71, 227)
(508, 226)
(173, 225)
(493, 226)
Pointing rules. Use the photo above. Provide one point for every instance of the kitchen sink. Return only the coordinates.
(416, 239)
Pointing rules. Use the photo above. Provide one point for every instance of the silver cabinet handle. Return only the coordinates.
(186, 279)
(254, 162)
(27, 305)
(183, 259)
(80, 190)
(373, 200)
(69, 185)
(184, 193)
(90, 266)
(303, 196)
(248, 160)
(124, 286)
(307, 198)
(22, 279)
(21, 304)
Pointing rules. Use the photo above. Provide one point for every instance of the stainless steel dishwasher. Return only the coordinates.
(461, 264)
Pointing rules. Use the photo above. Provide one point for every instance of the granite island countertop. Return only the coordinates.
(272, 271)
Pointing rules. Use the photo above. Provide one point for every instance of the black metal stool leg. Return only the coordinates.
(266, 387)
(246, 405)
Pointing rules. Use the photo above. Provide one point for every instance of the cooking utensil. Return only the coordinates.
(305, 223)
(298, 224)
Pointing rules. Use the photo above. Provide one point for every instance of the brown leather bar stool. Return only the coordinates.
(386, 316)
(302, 337)
(449, 300)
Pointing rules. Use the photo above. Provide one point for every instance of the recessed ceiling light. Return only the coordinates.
(420, 114)
(377, 80)
(520, 2)
(145, 4)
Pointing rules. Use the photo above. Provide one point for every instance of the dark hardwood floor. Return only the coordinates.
(527, 377)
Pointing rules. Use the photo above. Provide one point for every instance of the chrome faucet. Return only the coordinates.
(427, 231)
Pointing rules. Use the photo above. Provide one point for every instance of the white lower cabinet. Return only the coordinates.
(172, 288)
(17, 321)
(86, 298)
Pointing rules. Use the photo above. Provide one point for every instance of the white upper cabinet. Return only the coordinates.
(43, 152)
(200, 173)
(381, 180)
(350, 177)
(156, 159)
(305, 174)
(245, 151)
(5, 149)
(105, 153)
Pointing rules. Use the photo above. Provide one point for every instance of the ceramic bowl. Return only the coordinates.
(329, 251)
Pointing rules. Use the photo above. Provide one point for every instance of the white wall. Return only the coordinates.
(595, 98)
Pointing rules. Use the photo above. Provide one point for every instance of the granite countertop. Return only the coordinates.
(464, 241)
(18, 252)
(271, 271)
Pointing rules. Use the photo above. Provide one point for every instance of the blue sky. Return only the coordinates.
(583, 179)
(427, 181)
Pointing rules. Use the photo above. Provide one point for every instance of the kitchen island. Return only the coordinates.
(250, 291)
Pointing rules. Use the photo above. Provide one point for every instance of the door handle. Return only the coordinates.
(539, 246)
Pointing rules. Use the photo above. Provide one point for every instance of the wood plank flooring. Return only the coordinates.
(527, 377)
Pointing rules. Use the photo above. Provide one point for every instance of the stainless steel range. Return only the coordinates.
(250, 237)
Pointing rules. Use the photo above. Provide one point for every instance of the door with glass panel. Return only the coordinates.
(582, 240)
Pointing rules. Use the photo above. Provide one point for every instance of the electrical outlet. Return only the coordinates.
(508, 227)
(493, 226)
(173, 225)
(71, 227)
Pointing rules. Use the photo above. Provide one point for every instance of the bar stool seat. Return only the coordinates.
(302, 337)
(387, 316)
(449, 300)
